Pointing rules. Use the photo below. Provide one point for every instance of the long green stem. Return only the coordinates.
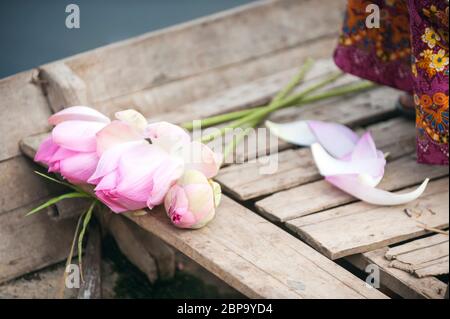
(278, 98)
(227, 117)
(238, 138)
(218, 119)
(69, 259)
(275, 105)
(86, 220)
(346, 89)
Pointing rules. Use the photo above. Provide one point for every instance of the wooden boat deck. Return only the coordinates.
(277, 235)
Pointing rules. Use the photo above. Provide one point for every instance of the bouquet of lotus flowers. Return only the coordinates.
(128, 164)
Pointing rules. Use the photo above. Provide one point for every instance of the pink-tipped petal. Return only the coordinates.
(109, 161)
(329, 166)
(77, 135)
(353, 186)
(200, 157)
(177, 208)
(165, 176)
(146, 173)
(113, 205)
(78, 168)
(336, 139)
(78, 113)
(46, 150)
(116, 133)
(365, 148)
(109, 181)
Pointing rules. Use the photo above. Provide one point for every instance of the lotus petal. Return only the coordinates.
(337, 139)
(297, 133)
(77, 136)
(116, 133)
(132, 118)
(329, 166)
(200, 157)
(168, 136)
(78, 113)
(353, 186)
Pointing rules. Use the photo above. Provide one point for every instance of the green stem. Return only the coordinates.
(344, 90)
(86, 220)
(213, 120)
(275, 105)
(227, 117)
(307, 66)
(62, 288)
(238, 138)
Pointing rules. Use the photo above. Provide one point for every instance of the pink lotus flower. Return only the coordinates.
(177, 142)
(71, 148)
(139, 164)
(134, 175)
(192, 201)
(348, 162)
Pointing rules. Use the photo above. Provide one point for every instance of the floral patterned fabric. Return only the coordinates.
(408, 51)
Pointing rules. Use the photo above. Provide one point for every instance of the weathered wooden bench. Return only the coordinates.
(225, 62)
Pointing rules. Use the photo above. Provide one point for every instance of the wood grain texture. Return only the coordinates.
(422, 257)
(400, 282)
(19, 185)
(31, 243)
(256, 257)
(23, 112)
(415, 245)
(317, 196)
(219, 90)
(63, 87)
(360, 227)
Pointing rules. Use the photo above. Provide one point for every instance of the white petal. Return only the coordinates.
(297, 133)
(133, 118)
(353, 186)
(329, 166)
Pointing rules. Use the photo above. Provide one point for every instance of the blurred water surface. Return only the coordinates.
(33, 32)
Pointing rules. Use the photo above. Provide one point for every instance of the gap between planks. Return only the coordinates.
(399, 281)
(361, 227)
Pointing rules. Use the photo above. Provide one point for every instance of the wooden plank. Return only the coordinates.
(361, 227)
(292, 168)
(256, 257)
(433, 268)
(258, 90)
(400, 282)
(200, 46)
(415, 258)
(220, 90)
(318, 196)
(63, 87)
(19, 185)
(422, 257)
(30, 243)
(415, 245)
(20, 96)
(148, 253)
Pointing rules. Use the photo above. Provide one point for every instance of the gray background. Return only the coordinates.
(33, 32)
